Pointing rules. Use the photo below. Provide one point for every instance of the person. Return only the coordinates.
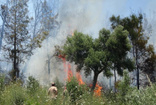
(65, 95)
(52, 92)
(65, 91)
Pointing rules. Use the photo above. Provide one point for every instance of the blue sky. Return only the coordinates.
(121, 7)
(107, 8)
(126, 7)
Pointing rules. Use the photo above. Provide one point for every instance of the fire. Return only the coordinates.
(97, 90)
(78, 76)
(70, 73)
(64, 61)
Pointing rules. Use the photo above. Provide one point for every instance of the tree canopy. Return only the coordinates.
(100, 54)
(17, 39)
(141, 51)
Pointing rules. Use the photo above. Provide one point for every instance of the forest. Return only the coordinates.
(95, 52)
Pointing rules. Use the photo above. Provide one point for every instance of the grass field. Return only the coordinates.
(34, 94)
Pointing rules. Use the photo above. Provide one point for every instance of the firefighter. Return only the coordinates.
(65, 92)
(52, 92)
(65, 95)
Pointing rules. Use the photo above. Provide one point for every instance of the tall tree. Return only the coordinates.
(139, 40)
(37, 16)
(3, 14)
(94, 55)
(118, 46)
(49, 23)
(16, 35)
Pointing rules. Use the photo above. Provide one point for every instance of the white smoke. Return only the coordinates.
(80, 15)
(87, 16)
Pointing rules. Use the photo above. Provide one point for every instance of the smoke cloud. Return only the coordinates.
(87, 16)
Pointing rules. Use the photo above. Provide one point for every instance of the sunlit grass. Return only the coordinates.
(17, 94)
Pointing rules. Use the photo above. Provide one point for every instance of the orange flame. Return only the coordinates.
(64, 61)
(97, 90)
(70, 73)
(78, 76)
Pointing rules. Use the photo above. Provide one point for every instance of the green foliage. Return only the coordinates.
(2, 84)
(32, 85)
(14, 94)
(37, 41)
(77, 47)
(75, 90)
(100, 54)
(119, 40)
(17, 37)
(142, 52)
(124, 87)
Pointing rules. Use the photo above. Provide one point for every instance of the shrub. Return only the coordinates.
(2, 85)
(124, 87)
(14, 94)
(32, 84)
(74, 89)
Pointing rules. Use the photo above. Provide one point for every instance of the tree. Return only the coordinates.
(3, 14)
(94, 55)
(49, 23)
(16, 35)
(118, 46)
(139, 40)
(37, 16)
(124, 87)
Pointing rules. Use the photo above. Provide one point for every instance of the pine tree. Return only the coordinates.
(17, 38)
(98, 55)
(3, 14)
(143, 53)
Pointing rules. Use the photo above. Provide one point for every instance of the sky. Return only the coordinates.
(117, 7)
(87, 16)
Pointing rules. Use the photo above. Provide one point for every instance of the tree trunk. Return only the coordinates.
(4, 21)
(2, 32)
(137, 76)
(137, 68)
(94, 81)
(115, 80)
(15, 59)
(48, 64)
(15, 50)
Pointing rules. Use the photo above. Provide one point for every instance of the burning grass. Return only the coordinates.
(67, 69)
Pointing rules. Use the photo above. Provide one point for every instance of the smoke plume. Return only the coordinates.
(87, 16)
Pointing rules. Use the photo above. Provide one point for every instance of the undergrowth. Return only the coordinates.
(18, 94)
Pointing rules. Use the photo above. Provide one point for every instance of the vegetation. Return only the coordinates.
(17, 94)
(101, 54)
(141, 51)
(75, 90)
(17, 37)
(118, 51)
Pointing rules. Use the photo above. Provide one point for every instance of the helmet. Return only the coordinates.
(53, 84)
